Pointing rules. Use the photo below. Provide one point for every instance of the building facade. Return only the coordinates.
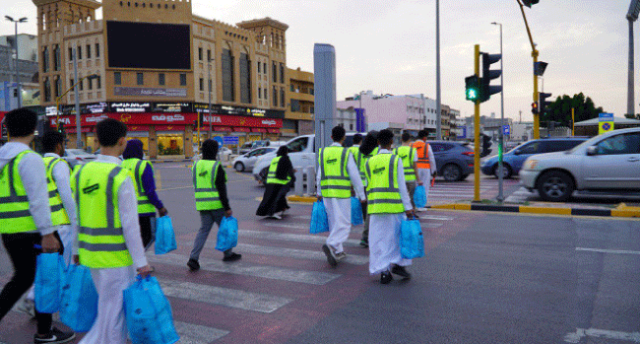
(27, 46)
(299, 115)
(159, 68)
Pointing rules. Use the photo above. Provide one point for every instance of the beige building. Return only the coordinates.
(299, 115)
(156, 66)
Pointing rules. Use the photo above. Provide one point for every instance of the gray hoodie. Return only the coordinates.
(33, 175)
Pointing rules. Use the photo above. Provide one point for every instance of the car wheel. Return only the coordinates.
(507, 172)
(555, 186)
(452, 173)
(239, 167)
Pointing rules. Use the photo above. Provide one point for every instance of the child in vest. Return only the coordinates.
(388, 202)
(107, 207)
(426, 166)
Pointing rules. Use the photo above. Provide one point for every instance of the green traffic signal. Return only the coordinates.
(472, 88)
(528, 3)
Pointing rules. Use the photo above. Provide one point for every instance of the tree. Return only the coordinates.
(560, 110)
(632, 116)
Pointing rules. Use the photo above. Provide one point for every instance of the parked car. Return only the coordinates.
(515, 158)
(78, 157)
(247, 161)
(454, 160)
(608, 162)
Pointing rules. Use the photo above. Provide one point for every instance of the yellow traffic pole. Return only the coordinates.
(573, 122)
(536, 98)
(476, 133)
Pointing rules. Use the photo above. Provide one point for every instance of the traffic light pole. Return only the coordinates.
(534, 54)
(476, 132)
(500, 197)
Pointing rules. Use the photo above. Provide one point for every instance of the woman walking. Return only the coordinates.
(279, 181)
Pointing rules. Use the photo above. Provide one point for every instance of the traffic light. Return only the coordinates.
(486, 145)
(473, 87)
(486, 90)
(528, 3)
(544, 104)
(534, 108)
(198, 123)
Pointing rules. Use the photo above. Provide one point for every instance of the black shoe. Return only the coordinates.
(386, 278)
(331, 257)
(193, 265)
(54, 337)
(364, 243)
(400, 271)
(232, 257)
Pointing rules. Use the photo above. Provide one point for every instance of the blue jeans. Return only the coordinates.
(207, 218)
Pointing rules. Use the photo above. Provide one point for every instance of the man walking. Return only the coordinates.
(426, 165)
(109, 241)
(409, 158)
(210, 183)
(25, 217)
(337, 174)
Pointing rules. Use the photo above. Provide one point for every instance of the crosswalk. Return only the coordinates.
(443, 192)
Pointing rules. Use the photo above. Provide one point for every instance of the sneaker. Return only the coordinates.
(341, 256)
(400, 271)
(54, 337)
(276, 216)
(27, 307)
(232, 257)
(364, 243)
(193, 265)
(421, 209)
(385, 277)
(331, 257)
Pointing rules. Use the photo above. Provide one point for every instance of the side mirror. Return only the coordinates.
(593, 150)
(517, 152)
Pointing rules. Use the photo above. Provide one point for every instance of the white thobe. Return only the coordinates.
(384, 231)
(426, 173)
(110, 326)
(339, 209)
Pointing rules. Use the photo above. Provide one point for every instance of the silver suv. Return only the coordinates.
(608, 162)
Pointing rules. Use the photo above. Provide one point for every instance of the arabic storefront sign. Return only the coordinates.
(130, 107)
(150, 92)
(70, 121)
(137, 119)
(173, 107)
(241, 121)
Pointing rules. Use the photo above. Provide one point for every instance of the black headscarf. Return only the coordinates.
(369, 143)
(283, 151)
(285, 167)
(209, 149)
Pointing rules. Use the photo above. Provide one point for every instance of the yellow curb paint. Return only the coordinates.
(625, 213)
(444, 206)
(302, 199)
(545, 210)
(462, 206)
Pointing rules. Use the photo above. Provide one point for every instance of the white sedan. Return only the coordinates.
(247, 161)
(78, 157)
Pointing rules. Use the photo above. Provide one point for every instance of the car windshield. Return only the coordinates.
(517, 147)
(587, 143)
(77, 152)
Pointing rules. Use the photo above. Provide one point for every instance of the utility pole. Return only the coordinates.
(500, 197)
(632, 16)
(15, 43)
(438, 90)
(476, 132)
(534, 54)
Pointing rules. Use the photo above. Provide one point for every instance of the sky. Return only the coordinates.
(390, 46)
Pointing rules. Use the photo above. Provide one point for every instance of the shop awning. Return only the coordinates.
(258, 130)
(225, 129)
(274, 131)
(242, 129)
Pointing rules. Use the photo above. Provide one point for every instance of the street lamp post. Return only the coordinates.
(501, 131)
(73, 87)
(632, 16)
(15, 43)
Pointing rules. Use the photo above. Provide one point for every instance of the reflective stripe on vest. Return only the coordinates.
(100, 236)
(334, 180)
(423, 154)
(204, 182)
(271, 176)
(15, 216)
(407, 154)
(59, 215)
(383, 192)
(137, 167)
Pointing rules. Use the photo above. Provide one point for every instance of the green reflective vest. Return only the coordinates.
(334, 180)
(360, 160)
(59, 215)
(204, 181)
(100, 236)
(363, 162)
(407, 154)
(271, 176)
(137, 167)
(15, 216)
(383, 192)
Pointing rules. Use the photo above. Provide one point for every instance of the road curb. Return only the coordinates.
(169, 161)
(620, 211)
(301, 199)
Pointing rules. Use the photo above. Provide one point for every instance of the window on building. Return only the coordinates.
(200, 54)
(97, 49)
(274, 94)
(264, 68)
(313, 110)
(71, 83)
(259, 91)
(183, 79)
(161, 79)
(282, 73)
(208, 54)
(56, 58)
(295, 105)
(311, 91)
(88, 51)
(70, 54)
(58, 87)
(282, 97)
(98, 83)
(201, 84)
(140, 78)
(47, 90)
(274, 71)
(245, 78)
(266, 96)
(81, 85)
(350, 126)
(79, 52)
(90, 84)
(228, 89)
(293, 89)
(45, 60)
(259, 67)
(117, 78)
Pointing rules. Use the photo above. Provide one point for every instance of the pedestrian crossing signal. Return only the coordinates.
(472, 87)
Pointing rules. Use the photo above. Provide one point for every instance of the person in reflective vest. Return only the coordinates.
(409, 158)
(369, 148)
(145, 185)
(210, 184)
(426, 165)
(279, 181)
(337, 174)
(109, 241)
(25, 217)
(388, 202)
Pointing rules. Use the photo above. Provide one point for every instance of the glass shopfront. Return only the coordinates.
(170, 143)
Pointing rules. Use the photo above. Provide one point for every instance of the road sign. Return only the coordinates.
(218, 139)
(463, 132)
(506, 130)
(231, 140)
(605, 123)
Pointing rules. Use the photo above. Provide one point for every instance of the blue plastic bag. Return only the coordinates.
(420, 197)
(319, 219)
(227, 234)
(356, 212)
(411, 240)
(165, 236)
(48, 284)
(79, 299)
(148, 313)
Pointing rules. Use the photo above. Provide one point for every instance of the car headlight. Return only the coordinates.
(530, 164)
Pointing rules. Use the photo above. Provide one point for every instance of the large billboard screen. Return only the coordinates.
(149, 46)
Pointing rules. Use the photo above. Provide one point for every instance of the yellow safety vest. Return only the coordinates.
(271, 176)
(383, 192)
(334, 180)
(360, 160)
(407, 154)
(100, 235)
(137, 167)
(205, 173)
(59, 215)
(15, 216)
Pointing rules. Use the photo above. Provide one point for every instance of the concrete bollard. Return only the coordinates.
(311, 180)
(298, 189)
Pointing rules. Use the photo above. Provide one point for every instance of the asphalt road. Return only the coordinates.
(486, 278)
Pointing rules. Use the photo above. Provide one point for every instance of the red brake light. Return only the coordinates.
(78, 158)
(468, 153)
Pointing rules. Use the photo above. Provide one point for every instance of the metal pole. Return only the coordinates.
(18, 88)
(210, 117)
(438, 91)
(630, 86)
(536, 97)
(77, 99)
(476, 134)
(501, 132)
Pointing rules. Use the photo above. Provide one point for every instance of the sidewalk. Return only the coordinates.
(567, 209)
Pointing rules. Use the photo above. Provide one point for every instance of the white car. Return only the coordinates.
(247, 161)
(78, 157)
(608, 162)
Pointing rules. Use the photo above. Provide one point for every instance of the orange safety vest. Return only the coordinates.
(422, 148)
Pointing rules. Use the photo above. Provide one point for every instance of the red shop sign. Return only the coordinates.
(170, 128)
(70, 121)
(274, 131)
(242, 121)
(242, 129)
(258, 130)
(222, 129)
(155, 118)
